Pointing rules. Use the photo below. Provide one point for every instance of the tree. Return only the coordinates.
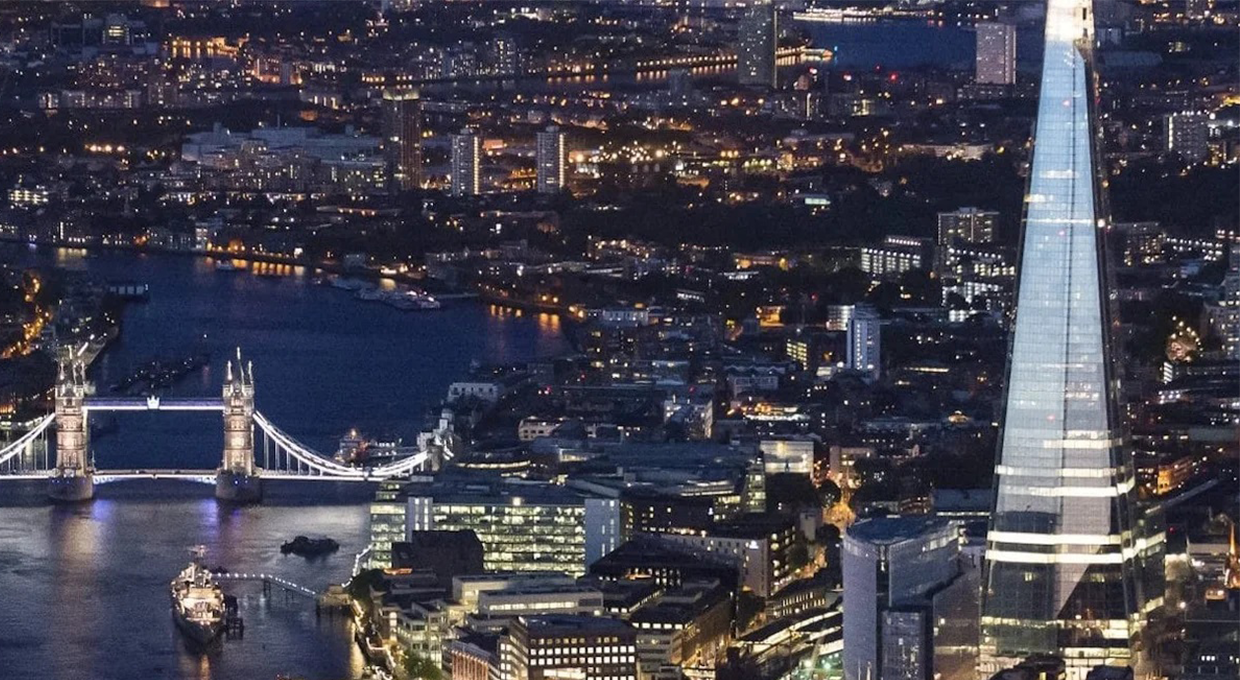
(418, 667)
(829, 493)
(829, 539)
(359, 586)
(798, 554)
(748, 607)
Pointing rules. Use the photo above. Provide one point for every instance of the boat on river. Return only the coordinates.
(198, 601)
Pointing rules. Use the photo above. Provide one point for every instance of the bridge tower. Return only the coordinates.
(73, 479)
(238, 478)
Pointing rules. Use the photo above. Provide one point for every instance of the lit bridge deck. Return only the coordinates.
(200, 476)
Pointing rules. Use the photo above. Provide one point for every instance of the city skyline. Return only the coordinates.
(392, 340)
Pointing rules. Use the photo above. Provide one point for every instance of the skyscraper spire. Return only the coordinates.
(1064, 555)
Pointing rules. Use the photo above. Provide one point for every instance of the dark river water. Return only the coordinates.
(905, 44)
(83, 590)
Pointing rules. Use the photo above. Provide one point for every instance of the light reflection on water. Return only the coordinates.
(84, 590)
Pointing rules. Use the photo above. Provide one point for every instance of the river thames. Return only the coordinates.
(84, 588)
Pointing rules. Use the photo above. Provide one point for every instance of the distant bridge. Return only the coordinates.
(72, 476)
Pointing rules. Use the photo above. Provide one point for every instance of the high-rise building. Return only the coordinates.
(1224, 315)
(552, 160)
(891, 568)
(839, 316)
(969, 225)
(864, 341)
(1068, 568)
(504, 57)
(466, 164)
(756, 45)
(1187, 134)
(402, 137)
(996, 54)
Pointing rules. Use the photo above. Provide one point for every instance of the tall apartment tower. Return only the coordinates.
(1068, 567)
(996, 54)
(466, 164)
(552, 160)
(402, 137)
(756, 43)
(865, 341)
(1187, 134)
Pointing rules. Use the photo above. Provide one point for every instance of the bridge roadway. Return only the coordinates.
(201, 476)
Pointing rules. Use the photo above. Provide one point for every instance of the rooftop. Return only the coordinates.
(445, 489)
(890, 530)
(550, 625)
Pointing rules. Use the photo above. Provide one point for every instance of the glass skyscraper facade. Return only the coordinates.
(1066, 558)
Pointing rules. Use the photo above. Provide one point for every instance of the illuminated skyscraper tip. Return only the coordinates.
(1063, 552)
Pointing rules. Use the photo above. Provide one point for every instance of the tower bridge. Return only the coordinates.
(254, 448)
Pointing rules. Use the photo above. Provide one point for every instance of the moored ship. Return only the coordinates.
(198, 602)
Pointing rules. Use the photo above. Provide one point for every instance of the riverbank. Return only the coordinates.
(314, 268)
(324, 363)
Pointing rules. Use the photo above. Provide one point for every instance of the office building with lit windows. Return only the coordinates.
(756, 546)
(1069, 569)
(522, 527)
(579, 647)
(893, 257)
(387, 524)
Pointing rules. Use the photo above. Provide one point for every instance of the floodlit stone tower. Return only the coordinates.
(238, 478)
(73, 479)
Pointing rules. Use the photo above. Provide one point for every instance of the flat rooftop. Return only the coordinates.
(889, 530)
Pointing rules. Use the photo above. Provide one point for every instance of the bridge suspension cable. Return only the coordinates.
(303, 457)
(18, 445)
(323, 465)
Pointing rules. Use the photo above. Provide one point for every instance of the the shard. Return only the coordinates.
(1068, 561)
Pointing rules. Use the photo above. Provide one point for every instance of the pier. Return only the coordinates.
(269, 581)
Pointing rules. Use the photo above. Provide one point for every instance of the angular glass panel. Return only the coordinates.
(1062, 559)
